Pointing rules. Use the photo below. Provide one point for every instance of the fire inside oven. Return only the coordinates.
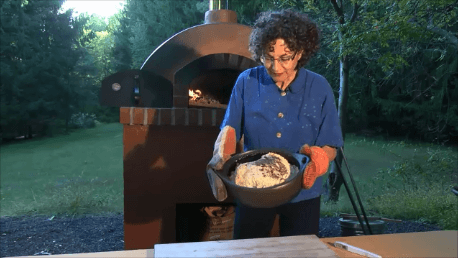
(210, 79)
(212, 89)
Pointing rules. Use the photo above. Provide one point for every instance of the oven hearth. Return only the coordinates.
(199, 100)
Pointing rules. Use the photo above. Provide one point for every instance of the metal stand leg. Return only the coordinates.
(351, 196)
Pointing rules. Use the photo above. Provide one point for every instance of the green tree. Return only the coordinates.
(122, 56)
(370, 39)
(38, 53)
(97, 43)
(248, 11)
(144, 25)
(150, 23)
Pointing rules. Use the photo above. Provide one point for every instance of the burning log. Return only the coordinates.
(195, 94)
(196, 98)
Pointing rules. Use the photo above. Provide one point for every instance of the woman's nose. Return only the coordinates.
(276, 66)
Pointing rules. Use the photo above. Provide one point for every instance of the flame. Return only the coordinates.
(195, 94)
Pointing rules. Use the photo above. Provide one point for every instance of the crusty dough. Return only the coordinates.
(271, 169)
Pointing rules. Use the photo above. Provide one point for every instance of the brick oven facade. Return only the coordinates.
(165, 156)
(168, 142)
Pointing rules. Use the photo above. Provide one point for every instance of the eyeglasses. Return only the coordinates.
(284, 61)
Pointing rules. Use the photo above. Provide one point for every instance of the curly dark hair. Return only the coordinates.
(297, 29)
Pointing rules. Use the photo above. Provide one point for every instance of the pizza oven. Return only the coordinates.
(171, 110)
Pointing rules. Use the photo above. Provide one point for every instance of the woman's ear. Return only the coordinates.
(297, 58)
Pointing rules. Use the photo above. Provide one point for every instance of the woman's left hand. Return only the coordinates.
(317, 166)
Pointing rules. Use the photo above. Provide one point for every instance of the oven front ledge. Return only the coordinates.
(171, 116)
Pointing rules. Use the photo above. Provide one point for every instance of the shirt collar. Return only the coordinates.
(296, 86)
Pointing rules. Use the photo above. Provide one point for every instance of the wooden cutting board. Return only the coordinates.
(293, 246)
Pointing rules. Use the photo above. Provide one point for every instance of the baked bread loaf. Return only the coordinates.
(271, 169)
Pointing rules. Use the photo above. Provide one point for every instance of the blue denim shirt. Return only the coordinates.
(269, 118)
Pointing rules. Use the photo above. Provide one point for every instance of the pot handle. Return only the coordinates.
(216, 184)
(302, 159)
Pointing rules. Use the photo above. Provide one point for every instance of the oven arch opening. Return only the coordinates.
(212, 77)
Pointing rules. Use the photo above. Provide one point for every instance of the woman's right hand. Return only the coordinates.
(225, 147)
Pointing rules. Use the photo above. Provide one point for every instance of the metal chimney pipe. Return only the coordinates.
(216, 13)
(219, 4)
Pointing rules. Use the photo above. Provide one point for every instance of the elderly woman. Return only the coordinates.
(281, 105)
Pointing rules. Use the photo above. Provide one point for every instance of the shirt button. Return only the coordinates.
(278, 135)
(283, 93)
(280, 115)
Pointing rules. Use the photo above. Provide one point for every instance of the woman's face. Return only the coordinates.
(280, 62)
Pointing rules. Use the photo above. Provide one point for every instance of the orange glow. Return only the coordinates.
(195, 94)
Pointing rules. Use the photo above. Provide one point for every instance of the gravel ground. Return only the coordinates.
(24, 235)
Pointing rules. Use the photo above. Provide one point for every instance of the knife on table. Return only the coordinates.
(355, 250)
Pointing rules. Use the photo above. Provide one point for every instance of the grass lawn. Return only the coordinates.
(82, 173)
(407, 181)
(76, 173)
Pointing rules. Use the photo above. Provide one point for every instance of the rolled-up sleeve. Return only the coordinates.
(330, 132)
(234, 112)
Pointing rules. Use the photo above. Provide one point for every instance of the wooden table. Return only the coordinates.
(422, 244)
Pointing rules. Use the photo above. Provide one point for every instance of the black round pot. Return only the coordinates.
(352, 227)
(268, 197)
(455, 190)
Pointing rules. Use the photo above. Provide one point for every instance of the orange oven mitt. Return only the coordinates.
(318, 164)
